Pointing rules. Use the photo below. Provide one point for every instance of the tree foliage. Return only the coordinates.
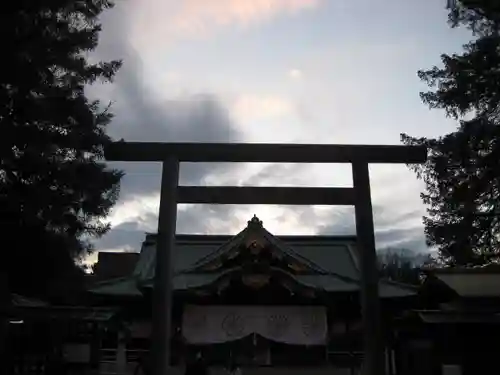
(55, 189)
(462, 175)
(402, 265)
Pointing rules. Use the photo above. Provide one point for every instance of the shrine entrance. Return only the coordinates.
(172, 154)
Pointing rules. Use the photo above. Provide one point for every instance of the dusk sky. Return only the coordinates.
(281, 71)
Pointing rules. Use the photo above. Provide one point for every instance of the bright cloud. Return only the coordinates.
(154, 22)
(253, 107)
(134, 209)
(198, 15)
(295, 73)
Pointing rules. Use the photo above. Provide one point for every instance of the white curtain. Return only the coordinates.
(299, 325)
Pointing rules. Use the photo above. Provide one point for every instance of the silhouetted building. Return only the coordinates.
(256, 299)
(456, 329)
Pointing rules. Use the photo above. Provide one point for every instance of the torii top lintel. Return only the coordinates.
(264, 152)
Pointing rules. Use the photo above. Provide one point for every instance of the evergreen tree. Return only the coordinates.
(462, 174)
(55, 189)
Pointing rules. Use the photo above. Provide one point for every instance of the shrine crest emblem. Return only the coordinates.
(233, 325)
(277, 324)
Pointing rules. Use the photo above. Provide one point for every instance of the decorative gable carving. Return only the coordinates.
(253, 248)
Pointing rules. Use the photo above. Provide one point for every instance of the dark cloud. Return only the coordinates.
(399, 232)
(126, 237)
(199, 219)
(140, 115)
(411, 238)
(392, 228)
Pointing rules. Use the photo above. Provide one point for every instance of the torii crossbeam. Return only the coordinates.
(360, 156)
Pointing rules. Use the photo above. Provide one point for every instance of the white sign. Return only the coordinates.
(299, 325)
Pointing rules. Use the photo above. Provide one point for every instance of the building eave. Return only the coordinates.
(118, 287)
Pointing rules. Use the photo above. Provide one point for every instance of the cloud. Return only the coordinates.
(295, 74)
(195, 18)
(193, 219)
(305, 220)
(196, 13)
(145, 115)
(396, 224)
(133, 216)
(141, 114)
(394, 227)
(255, 107)
(127, 236)
(195, 119)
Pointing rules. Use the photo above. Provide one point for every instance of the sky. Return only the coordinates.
(272, 71)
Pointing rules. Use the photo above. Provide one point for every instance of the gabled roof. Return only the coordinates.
(118, 287)
(43, 313)
(454, 317)
(254, 233)
(329, 262)
(330, 254)
(471, 282)
(22, 301)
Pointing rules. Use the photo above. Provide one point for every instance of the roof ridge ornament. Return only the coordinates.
(255, 222)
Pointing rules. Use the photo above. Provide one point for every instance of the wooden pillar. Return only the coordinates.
(162, 294)
(95, 346)
(121, 353)
(374, 361)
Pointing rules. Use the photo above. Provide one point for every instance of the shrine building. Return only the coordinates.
(259, 300)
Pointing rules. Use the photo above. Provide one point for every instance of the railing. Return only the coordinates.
(346, 359)
(219, 370)
(337, 362)
(109, 363)
(28, 364)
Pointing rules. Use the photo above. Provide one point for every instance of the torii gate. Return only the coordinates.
(171, 154)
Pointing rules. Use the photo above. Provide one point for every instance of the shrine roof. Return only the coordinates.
(454, 317)
(130, 287)
(333, 254)
(118, 287)
(48, 312)
(327, 283)
(471, 283)
(328, 263)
